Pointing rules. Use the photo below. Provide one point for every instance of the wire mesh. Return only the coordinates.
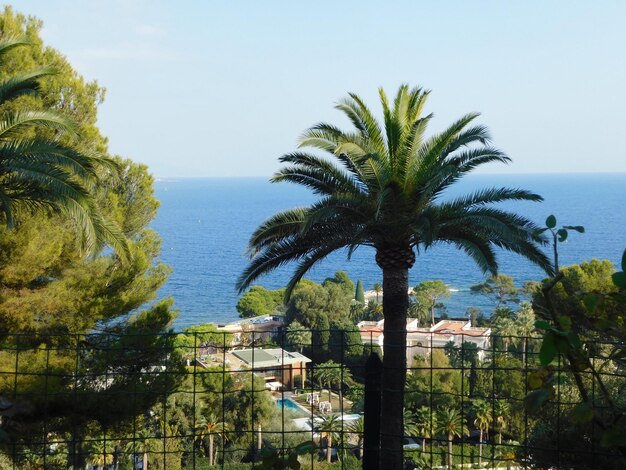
(196, 400)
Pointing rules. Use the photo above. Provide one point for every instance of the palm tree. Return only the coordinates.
(38, 172)
(378, 288)
(357, 427)
(99, 454)
(337, 375)
(330, 373)
(298, 336)
(451, 424)
(143, 442)
(329, 425)
(501, 410)
(483, 420)
(525, 323)
(425, 422)
(209, 427)
(382, 187)
(507, 330)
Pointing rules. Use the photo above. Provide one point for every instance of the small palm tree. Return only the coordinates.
(483, 420)
(329, 426)
(143, 443)
(378, 288)
(382, 187)
(358, 427)
(425, 424)
(298, 336)
(502, 409)
(100, 455)
(506, 329)
(38, 172)
(450, 423)
(338, 377)
(334, 375)
(525, 322)
(208, 428)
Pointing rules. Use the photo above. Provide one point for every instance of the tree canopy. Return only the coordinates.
(70, 314)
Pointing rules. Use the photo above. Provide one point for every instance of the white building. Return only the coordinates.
(420, 341)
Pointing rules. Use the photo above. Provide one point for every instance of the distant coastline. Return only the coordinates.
(204, 240)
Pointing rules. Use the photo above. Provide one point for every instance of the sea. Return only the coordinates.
(205, 224)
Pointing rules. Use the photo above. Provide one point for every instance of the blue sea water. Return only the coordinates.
(205, 225)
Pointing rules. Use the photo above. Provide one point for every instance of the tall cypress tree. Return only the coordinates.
(359, 295)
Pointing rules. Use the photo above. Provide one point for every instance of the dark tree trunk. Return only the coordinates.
(395, 307)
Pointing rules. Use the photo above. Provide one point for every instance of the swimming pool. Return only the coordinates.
(288, 404)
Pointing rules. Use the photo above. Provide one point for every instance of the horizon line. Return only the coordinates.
(547, 173)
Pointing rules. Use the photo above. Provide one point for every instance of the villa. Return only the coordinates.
(420, 341)
(258, 328)
(278, 367)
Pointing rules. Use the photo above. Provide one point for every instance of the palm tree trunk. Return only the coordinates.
(211, 449)
(395, 307)
(480, 448)
(423, 444)
(329, 442)
(259, 443)
(432, 314)
(449, 451)
(341, 398)
(144, 462)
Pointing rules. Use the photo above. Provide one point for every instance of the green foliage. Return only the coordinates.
(298, 337)
(259, 301)
(359, 295)
(464, 356)
(439, 387)
(345, 343)
(196, 336)
(428, 293)
(273, 459)
(499, 288)
(342, 280)
(584, 311)
(311, 301)
(47, 161)
(81, 315)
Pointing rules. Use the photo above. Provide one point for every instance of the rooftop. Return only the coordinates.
(261, 358)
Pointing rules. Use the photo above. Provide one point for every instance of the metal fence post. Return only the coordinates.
(371, 434)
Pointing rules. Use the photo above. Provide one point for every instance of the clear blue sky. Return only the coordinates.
(223, 88)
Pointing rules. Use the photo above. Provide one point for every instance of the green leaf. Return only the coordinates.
(535, 399)
(540, 231)
(577, 228)
(551, 221)
(591, 302)
(613, 437)
(619, 279)
(582, 413)
(543, 325)
(535, 380)
(624, 261)
(566, 322)
(562, 233)
(548, 349)
(307, 447)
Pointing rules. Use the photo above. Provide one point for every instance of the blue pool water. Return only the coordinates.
(288, 405)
